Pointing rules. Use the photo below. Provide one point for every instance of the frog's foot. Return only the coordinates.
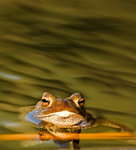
(76, 144)
(42, 136)
(62, 144)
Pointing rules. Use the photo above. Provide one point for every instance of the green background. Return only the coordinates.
(65, 47)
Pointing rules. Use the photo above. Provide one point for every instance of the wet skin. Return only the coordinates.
(56, 115)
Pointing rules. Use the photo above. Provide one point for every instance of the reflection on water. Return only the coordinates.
(66, 47)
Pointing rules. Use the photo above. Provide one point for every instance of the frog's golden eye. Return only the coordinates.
(45, 102)
(77, 99)
(81, 102)
(47, 99)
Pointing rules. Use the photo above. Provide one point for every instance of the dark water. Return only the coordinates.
(65, 47)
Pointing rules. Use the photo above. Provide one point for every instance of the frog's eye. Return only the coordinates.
(47, 99)
(77, 99)
(45, 102)
(81, 102)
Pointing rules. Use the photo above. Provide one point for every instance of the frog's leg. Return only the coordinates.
(42, 131)
(42, 135)
(76, 144)
(101, 121)
(62, 144)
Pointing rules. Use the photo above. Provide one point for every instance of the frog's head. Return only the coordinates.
(63, 112)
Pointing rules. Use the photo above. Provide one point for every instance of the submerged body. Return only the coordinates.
(56, 115)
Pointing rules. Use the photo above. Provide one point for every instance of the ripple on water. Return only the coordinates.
(65, 47)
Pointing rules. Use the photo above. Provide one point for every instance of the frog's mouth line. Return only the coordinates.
(63, 118)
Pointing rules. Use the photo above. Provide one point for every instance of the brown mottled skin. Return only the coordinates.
(56, 115)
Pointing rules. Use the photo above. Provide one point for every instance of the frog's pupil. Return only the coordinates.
(44, 100)
(81, 102)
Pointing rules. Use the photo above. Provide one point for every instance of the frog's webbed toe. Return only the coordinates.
(41, 136)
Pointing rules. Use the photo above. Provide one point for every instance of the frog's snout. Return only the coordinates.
(62, 118)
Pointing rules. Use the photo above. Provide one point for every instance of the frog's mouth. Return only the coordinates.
(63, 118)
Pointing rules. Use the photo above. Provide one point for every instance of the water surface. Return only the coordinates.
(65, 47)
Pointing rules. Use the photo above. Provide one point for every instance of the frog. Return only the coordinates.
(65, 115)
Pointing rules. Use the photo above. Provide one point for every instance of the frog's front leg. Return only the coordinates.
(67, 144)
(43, 131)
(76, 144)
(63, 144)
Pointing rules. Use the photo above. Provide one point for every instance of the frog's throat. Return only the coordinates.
(64, 113)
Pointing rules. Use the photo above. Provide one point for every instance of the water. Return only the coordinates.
(65, 47)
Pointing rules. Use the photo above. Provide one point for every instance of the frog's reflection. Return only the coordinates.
(58, 116)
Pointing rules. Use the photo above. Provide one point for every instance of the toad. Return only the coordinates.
(57, 115)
